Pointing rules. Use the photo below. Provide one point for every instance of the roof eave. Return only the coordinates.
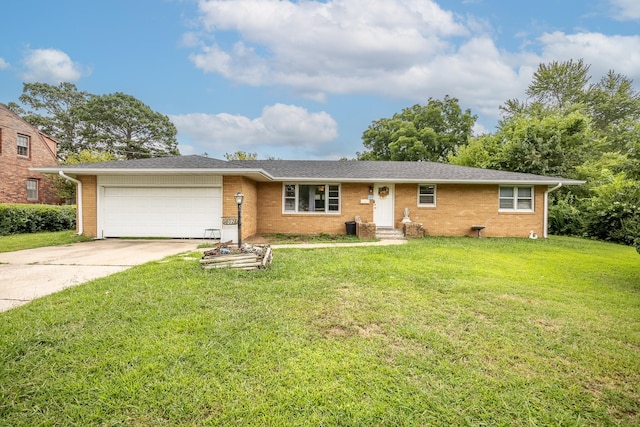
(257, 174)
(551, 182)
(262, 176)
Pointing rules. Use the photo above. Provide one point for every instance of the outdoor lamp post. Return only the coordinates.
(239, 198)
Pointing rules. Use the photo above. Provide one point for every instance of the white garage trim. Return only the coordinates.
(161, 180)
(158, 206)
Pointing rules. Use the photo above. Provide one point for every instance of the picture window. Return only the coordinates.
(311, 198)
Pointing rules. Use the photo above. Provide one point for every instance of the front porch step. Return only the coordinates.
(388, 233)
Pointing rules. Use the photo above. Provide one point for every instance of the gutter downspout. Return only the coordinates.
(546, 209)
(78, 199)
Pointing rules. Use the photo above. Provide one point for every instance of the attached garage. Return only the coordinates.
(146, 206)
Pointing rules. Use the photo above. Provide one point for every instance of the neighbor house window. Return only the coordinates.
(516, 199)
(309, 198)
(426, 195)
(23, 146)
(32, 189)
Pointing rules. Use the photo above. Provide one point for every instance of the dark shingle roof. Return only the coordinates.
(308, 170)
(174, 162)
(387, 171)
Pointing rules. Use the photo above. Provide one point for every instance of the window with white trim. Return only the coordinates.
(23, 146)
(32, 189)
(516, 199)
(426, 195)
(311, 198)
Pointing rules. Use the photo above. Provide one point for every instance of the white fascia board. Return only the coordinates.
(550, 183)
(432, 181)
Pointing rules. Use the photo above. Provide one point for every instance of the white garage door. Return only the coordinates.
(160, 211)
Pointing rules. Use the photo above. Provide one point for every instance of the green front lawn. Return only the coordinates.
(18, 242)
(441, 331)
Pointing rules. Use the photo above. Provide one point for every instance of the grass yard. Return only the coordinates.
(441, 331)
(37, 240)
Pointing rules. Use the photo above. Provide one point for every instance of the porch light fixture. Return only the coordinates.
(239, 197)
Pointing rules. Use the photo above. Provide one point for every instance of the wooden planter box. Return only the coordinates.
(250, 258)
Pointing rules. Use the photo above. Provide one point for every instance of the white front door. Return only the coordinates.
(383, 209)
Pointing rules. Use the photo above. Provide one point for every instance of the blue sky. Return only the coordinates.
(304, 79)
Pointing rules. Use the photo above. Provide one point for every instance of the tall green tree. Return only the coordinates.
(121, 124)
(613, 100)
(116, 123)
(54, 110)
(421, 132)
(559, 84)
(548, 145)
(614, 106)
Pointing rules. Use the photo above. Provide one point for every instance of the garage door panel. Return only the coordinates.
(160, 211)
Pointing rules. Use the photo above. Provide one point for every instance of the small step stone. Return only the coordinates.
(389, 234)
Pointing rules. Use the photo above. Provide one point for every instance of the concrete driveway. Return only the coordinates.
(32, 273)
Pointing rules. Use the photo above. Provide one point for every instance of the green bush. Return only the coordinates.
(613, 213)
(22, 218)
(566, 217)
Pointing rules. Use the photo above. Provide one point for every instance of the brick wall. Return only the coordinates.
(413, 230)
(458, 207)
(89, 204)
(230, 186)
(366, 230)
(14, 169)
(272, 220)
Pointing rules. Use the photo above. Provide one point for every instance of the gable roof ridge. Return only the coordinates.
(41, 134)
(16, 115)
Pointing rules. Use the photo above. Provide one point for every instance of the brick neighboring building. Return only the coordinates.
(183, 196)
(23, 146)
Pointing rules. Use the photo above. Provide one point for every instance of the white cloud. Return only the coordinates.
(602, 52)
(279, 126)
(407, 49)
(3, 64)
(626, 10)
(315, 45)
(50, 66)
(190, 39)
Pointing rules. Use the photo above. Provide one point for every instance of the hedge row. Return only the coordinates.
(22, 218)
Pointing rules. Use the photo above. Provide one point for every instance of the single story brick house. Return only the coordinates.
(180, 197)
